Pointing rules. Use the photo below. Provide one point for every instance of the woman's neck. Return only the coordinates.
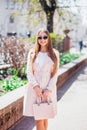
(43, 49)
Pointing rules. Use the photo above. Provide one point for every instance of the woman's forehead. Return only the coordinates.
(42, 33)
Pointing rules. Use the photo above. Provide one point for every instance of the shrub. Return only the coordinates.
(14, 52)
(67, 57)
(13, 83)
(57, 41)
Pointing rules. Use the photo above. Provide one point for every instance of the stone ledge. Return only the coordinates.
(11, 104)
(8, 98)
(66, 71)
(3, 67)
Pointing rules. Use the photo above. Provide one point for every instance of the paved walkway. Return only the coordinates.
(72, 106)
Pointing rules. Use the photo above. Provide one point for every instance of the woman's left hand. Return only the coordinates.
(46, 94)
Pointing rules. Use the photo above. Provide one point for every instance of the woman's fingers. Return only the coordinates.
(38, 91)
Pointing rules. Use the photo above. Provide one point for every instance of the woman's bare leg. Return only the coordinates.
(46, 124)
(40, 125)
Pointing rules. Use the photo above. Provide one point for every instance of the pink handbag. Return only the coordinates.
(43, 110)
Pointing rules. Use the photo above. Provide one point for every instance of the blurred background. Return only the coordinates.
(24, 17)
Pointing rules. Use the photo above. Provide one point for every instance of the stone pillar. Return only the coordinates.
(67, 43)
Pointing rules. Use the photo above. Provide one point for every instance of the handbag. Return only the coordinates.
(43, 110)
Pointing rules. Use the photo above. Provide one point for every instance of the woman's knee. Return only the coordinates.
(39, 121)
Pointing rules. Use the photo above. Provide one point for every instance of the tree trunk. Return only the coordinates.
(49, 10)
(50, 21)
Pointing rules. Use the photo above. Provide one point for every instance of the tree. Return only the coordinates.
(49, 9)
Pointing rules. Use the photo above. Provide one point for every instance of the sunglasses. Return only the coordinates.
(44, 37)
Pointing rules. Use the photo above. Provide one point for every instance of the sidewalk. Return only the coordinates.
(72, 106)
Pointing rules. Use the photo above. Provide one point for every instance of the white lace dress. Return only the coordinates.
(43, 66)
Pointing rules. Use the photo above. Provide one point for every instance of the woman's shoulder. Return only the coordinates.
(31, 53)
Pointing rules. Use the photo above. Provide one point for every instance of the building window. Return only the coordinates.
(11, 19)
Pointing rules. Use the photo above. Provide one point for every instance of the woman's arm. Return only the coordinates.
(53, 80)
(30, 75)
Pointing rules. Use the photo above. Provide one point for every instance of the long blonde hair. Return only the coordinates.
(50, 50)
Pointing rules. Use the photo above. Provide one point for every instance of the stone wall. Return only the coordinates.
(11, 114)
(72, 69)
(11, 106)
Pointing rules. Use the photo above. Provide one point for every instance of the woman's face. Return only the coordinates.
(42, 39)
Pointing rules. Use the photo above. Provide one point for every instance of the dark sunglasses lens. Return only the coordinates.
(39, 38)
(45, 37)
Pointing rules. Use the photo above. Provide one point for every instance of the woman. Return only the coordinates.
(42, 74)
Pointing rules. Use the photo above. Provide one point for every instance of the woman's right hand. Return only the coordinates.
(38, 91)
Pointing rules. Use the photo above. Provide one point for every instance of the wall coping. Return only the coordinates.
(70, 65)
(6, 66)
(11, 97)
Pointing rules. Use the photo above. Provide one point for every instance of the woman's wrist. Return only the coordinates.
(37, 86)
(47, 90)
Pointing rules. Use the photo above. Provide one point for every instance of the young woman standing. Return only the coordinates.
(42, 74)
